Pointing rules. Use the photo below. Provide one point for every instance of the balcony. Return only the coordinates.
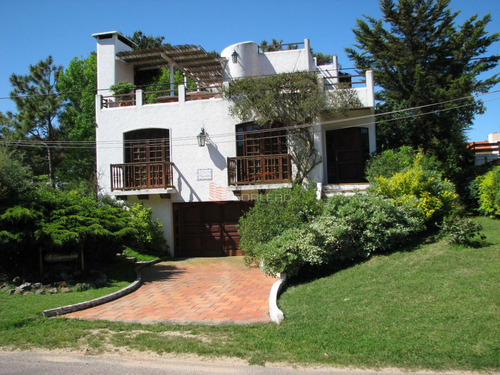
(256, 170)
(176, 94)
(141, 176)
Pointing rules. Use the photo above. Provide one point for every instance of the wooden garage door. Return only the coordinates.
(207, 229)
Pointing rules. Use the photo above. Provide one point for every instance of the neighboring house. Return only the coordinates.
(180, 151)
(487, 151)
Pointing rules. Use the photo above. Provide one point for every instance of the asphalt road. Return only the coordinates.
(31, 363)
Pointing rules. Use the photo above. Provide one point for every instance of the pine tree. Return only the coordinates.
(419, 57)
(38, 106)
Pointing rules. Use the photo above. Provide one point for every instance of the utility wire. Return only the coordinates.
(233, 136)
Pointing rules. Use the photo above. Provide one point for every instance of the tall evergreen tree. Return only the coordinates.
(143, 41)
(419, 57)
(38, 106)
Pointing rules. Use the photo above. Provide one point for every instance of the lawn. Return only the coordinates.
(434, 306)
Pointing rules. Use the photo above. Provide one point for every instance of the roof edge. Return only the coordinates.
(119, 35)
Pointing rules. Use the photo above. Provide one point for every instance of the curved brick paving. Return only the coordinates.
(196, 290)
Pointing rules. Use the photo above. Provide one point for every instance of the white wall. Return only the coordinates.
(110, 70)
(184, 120)
(251, 63)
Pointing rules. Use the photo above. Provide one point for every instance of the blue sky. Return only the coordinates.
(30, 30)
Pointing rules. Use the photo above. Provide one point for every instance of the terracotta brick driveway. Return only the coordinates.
(195, 290)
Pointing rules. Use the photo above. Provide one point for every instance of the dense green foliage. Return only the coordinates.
(388, 162)
(123, 88)
(14, 179)
(358, 226)
(160, 82)
(426, 190)
(408, 177)
(290, 251)
(296, 230)
(274, 213)
(143, 41)
(488, 190)
(49, 220)
(77, 87)
(421, 58)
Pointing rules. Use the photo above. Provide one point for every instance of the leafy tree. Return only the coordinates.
(419, 57)
(14, 179)
(38, 105)
(77, 86)
(291, 100)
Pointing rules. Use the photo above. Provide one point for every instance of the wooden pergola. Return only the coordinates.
(193, 61)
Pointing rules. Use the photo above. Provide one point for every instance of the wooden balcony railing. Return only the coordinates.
(123, 100)
(262, 169)
(177, 93)
(137, 176)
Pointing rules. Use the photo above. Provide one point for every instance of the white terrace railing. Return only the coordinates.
(363, 84)
(179, 93)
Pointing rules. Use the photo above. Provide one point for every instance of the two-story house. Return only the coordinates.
(179, 150)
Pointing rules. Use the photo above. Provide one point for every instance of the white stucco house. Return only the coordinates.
(181, 153)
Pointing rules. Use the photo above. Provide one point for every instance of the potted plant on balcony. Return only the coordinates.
(124, 92)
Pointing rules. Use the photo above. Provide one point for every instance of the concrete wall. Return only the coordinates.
(253, 63)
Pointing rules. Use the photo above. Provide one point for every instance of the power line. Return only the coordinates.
(231, 137)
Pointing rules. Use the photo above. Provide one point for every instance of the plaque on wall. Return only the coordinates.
(205, 174)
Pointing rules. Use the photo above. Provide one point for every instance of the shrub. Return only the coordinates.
(273, 214)
(150, 239)
(357, 226)
(348, 228)
(66, 222)
(290, 251)
(122, 88)
(488, 190)
(462, 231)
(390, 162)
(420, 187)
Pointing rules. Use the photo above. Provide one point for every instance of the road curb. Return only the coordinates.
(104, 299)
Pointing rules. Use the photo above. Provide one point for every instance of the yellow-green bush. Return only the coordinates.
(489, 192)
(423, 188)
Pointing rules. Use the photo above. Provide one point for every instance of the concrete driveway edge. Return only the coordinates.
(275, 313)
(99, 301)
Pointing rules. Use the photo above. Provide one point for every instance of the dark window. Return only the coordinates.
(148, 145)
(253, 139)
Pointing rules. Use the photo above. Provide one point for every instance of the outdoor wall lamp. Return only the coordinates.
(202, 138)
(234, 57)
